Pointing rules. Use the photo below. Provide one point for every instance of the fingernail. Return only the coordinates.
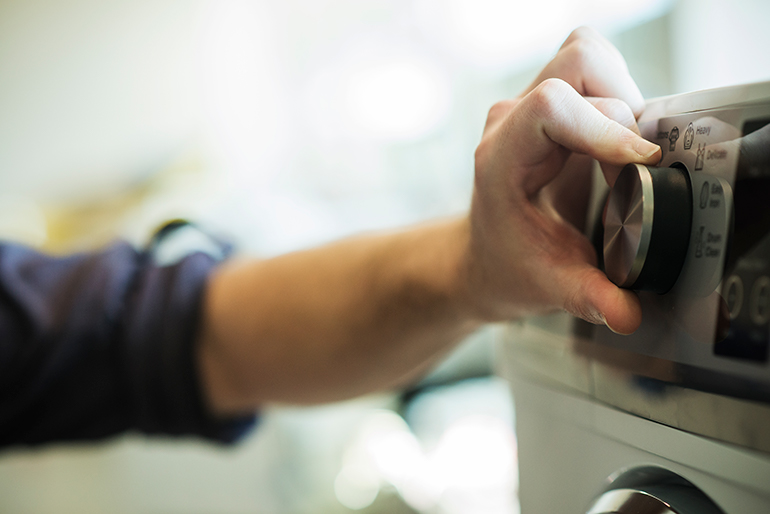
(613, 330)
(608, 325)
(645, 149)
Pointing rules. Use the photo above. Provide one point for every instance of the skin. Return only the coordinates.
(375, 311)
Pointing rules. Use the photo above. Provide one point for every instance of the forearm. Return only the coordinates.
(325, 324)
(372, 312)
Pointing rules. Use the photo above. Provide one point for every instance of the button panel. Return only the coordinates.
(746, 295)
(746, 288)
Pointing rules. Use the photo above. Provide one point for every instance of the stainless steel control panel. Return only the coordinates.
(692, 236)
(712, 318)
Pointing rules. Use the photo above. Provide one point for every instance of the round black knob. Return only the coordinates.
(647, 227)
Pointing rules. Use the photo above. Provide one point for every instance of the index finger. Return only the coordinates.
(554, 115)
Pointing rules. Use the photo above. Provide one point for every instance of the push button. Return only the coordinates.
(759, 304)
(733, 295)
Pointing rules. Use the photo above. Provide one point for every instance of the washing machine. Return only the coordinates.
(674, 418)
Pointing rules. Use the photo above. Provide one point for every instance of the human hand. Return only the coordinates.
(526, 255)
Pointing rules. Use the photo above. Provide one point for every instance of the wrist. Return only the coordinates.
(469, 299)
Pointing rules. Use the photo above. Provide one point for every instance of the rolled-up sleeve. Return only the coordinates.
(94, 345)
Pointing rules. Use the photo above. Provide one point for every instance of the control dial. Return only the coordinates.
(647, 227)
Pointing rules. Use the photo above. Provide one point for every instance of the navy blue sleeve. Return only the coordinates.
(97, 344)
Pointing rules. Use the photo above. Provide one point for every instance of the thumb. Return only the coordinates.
(589, 295)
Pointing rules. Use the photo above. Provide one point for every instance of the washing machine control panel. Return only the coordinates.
(692, 236)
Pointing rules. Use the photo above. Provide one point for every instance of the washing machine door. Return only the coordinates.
(652, 490)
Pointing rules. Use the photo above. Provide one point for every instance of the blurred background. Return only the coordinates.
(283, 125)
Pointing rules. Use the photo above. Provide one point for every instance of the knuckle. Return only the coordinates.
(481, 160)
(583, 32)
(500, 109)
(548, 97)
(497, 113)
(584, 51)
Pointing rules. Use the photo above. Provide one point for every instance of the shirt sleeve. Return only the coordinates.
(94, 345)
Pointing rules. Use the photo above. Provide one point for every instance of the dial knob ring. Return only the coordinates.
(648, 227)
(628, 225)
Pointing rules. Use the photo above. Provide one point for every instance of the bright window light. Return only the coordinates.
(397, 99)
(356, 486)
(500, 35)
(476, 452)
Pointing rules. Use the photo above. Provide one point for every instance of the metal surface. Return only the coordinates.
(546, 350)
(571, 448)
(628, 226)
(629, 501)
(652, 490)
(703, 100)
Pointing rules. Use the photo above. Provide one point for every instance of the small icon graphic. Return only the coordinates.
(699, 157)
(673, 135)
(704, 195)
(699, 242)
(689, 135)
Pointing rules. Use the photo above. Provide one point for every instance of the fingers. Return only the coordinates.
(594, 67)
(584, 103)
(573, 122)
(586, 32)
(619, 111)
(554, 115)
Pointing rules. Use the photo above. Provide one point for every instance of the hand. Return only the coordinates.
(525, 255)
